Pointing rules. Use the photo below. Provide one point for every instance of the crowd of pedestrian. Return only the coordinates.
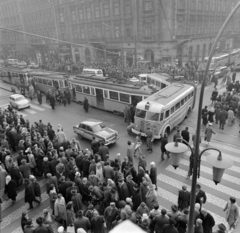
(88, 189)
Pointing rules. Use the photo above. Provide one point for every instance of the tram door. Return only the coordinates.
(99, 98)
(135, 99)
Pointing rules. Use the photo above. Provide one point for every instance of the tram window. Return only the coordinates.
(92, 90)
(167, 114)
(45, 81)
(172, 110)
(182, 102)
(140, 113)
(40, 80)
(177, 106)
(148, 80)
(78, 88)
(113, 95)
(105, 94)
(161, 116)
(192, 94)
(152, 116)
(86, 90)
(124, 97)
(185, 99)
(153, 82)
(158, 84)
(49, 82)
(60, 83)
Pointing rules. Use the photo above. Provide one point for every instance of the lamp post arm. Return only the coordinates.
(195, 166)
(186, 142)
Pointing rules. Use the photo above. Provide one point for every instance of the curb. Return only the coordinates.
(5, 89)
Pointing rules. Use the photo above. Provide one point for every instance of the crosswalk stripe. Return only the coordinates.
(177, 184)
(221, 188)
(173, 198)
(209, 171)
(20, 195)
(18, 213)
(30, 111)
(44, 105)
(204, 158)
(37, 108)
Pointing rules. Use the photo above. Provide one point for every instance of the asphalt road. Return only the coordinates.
(169, 180)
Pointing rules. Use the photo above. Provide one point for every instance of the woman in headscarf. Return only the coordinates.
(11, 188)
(151, 196)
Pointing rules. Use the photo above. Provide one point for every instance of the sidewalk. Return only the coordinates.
(6, 86)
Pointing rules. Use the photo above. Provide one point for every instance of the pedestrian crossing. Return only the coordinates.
(169, 182)
(34, 109)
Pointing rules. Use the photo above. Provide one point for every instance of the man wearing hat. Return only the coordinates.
(170, 227)
(51, 180)
(208, 221)
(20, 157)
(76, 200)
(130, 184)
(110, 214)
(150, 138)
(25, 169)
(123, 190)
(221, 228)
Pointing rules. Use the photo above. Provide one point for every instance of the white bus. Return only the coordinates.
(164, 110)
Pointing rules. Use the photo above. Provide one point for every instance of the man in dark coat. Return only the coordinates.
(82, 222)
(85, 165)
(51, 180)
(110, 214)
(222, 118)
(201, 197)
(153, 173)
(136, 198)
(159, 221)
(108, 172)
(170, 228)
(130, 184)
(95, 145)
(123, 190)
(52, 101)
(30, 194)
(106, 195)
(103, 151)
(208, 221)
(185, 135)
(183, 198)
(77, 201)
(63, 186)
(85, 104)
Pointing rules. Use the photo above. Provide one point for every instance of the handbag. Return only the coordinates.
(70, 229)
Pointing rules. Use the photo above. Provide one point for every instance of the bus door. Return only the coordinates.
(99, 98)
(135, 99)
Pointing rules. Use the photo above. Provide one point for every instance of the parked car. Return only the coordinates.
(19, 101)
(92, 127)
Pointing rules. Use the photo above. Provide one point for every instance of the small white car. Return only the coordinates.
(92, 127)
(19, 101)
(33, 65)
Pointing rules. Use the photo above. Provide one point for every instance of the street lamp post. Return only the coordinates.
(196, 156)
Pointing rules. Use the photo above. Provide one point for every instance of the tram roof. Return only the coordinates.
(140, 88)
(165, 97)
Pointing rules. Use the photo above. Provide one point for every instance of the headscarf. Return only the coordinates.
(8, 179)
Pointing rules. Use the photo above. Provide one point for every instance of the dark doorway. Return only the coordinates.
(135, 99)
(99, 98)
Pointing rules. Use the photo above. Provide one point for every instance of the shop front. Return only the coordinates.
(65, 52)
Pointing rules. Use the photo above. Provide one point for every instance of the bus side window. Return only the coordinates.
(192, 94)
(177, 106)
(167, 114)
(185, 99)
(189, 96)
(182, 102)
(172, 110)
(161, 116)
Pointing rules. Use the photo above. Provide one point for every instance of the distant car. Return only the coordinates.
(91, 127)
(19, 101)
(221, 71)
(33, 65)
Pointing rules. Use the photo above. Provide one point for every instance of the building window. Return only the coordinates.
(148, 29)
(207, 5)
(148, 5)
(128, 31)
(73, 15)
(89, 15)
(80, 14)
(213, 5)
(117, 31)
(63, 33)
(90, 31)
(61, 16)
(200, 4)
(116, 8)
(107, 30)
(193, 5)
(98, 32)
(97, 12)
(128, 8)
(82, 33)
(75, 32)
(106, 9)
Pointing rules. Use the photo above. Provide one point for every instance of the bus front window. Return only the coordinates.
(140, 113)
(152, 116)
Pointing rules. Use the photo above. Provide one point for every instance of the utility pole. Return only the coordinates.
(135, 30)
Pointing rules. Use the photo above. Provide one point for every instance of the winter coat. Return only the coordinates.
(11, 189)
(232, 212)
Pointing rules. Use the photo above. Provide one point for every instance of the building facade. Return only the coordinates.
(123, 31)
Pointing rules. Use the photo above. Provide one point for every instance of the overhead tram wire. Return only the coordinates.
(62, 41)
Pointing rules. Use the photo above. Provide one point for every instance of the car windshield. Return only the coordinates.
(19, 98)
(97, 128)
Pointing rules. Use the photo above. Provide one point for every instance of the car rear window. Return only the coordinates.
(19, 98)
